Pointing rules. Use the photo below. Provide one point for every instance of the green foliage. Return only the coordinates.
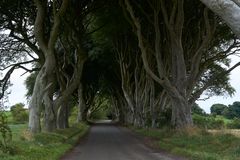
(73, 115)
(215, 123)
(195, 144)
(221, 86)
(102, 113)
(218, 109)
(29, 83)
(235, 124)
(233, 111)
(196, 109)
(101, 108)
(19, 114)
(9, 117)
(6, 135)
(208, 122)
(200, 121)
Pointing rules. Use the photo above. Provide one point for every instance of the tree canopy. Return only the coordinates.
(142, 58)
(218, 109)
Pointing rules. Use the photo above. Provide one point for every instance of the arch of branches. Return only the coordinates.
(143, 62)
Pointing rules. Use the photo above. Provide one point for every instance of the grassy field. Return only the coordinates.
(195, 144)
(43, 146)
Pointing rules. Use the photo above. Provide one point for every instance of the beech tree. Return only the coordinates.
(182, 55)
(143, 96)
(145, 56)
(65, 54)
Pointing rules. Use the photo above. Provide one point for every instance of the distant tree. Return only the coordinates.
(196, 109)
(19, 114)
(218, 109)
(233, 111)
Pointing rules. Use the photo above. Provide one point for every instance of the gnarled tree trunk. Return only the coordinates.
(62, 116)
(45, 79)
(49, 79)
(82, 115)
(35, 105)
(181, 113)
(41, 98)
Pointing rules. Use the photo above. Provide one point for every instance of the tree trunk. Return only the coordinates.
(42, 96)
(120, 103)
(37, 99)
(138, 120)
(82, 116)
(181, 113)
(44, 86)
(35, 106)
(62, 117)
(154, 120)
(49, 118)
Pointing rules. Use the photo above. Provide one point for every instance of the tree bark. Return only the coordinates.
(62, 116)
(181, 114)
(176, 85)
(42, 95)
(35, 105)
(44, 86)
(49, 89)
(82, 116)
(228, 10)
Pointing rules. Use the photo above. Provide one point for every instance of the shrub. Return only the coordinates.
(235, 124)
(200, 121)
(6, 135)
(214, 123)
(19, 114)
(207, 122)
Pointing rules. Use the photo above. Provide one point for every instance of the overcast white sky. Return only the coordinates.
(18, 89)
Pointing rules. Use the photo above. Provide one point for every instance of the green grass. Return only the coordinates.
(17, 130)
(196, 145)
(43, 146)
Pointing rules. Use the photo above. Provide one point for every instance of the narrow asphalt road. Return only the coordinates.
(108, 142)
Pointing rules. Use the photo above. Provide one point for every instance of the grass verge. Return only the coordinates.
(195, 144)
(43, 146)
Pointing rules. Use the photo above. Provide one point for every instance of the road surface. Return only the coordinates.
(108, 142)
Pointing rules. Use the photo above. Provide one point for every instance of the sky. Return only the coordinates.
(18, 89)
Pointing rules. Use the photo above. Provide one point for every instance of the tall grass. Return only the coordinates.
(195, 144)
(43, 146)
